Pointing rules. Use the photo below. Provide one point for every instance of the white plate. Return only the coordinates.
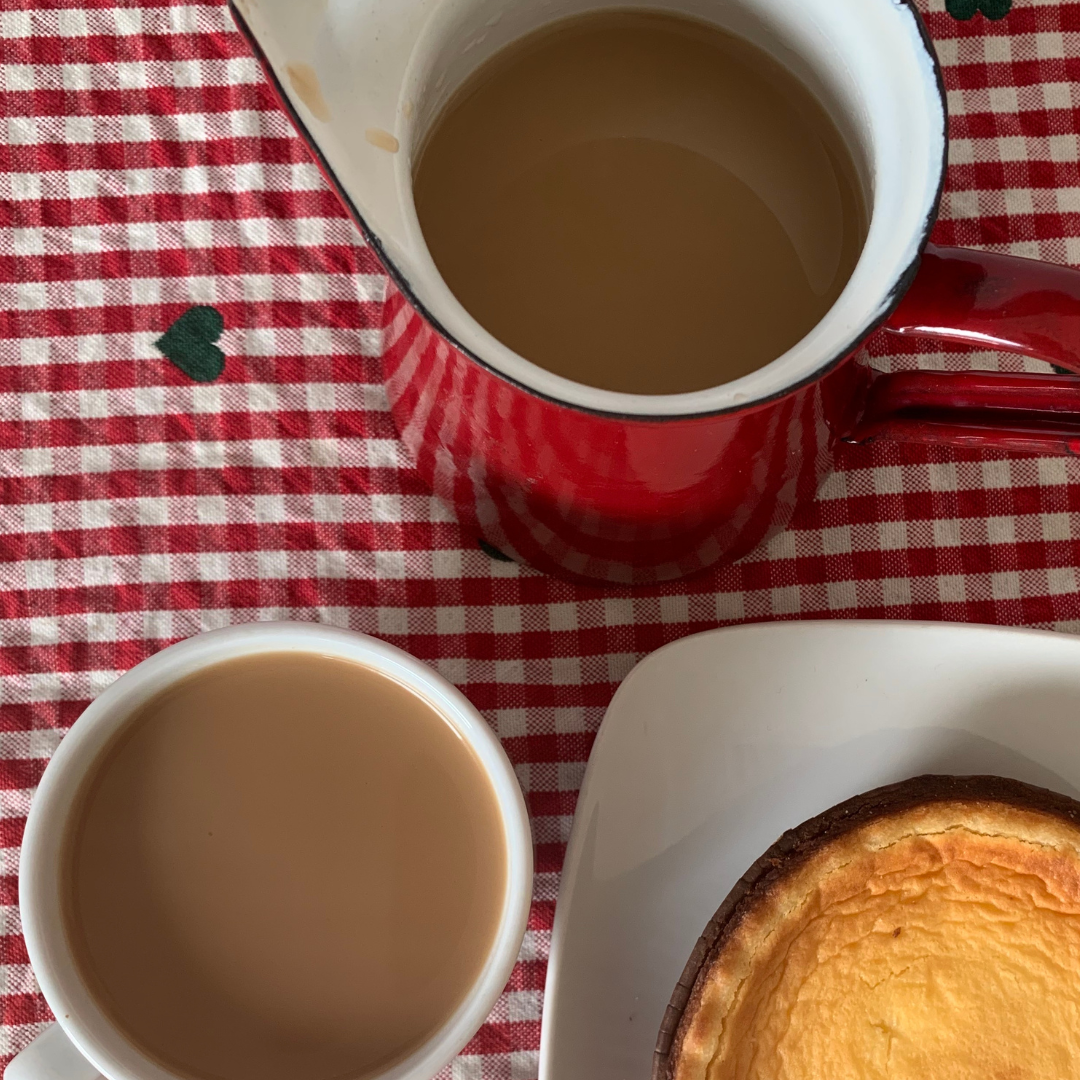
(716, 744)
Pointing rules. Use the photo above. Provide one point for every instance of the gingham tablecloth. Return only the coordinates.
(144, 168)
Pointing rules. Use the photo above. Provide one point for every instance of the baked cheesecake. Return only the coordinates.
(929, 930)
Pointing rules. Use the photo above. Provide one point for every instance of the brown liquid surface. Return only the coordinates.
(284, 868)
(640, 202)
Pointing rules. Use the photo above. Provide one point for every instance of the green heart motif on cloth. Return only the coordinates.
(189, 343)
(965, 9)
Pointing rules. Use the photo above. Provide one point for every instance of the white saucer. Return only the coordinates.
(716, 744)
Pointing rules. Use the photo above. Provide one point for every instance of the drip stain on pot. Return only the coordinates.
(305, 84)
(383, 140)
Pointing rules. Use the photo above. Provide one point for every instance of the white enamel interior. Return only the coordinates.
(76, 1011)
(390, 64)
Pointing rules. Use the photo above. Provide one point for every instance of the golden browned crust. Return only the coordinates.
(1036, 829)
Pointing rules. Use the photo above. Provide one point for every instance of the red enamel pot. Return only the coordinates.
(605, 486)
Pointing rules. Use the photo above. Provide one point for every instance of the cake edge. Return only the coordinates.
(796, 846)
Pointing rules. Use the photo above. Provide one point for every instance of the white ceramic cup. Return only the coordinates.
(84, 1043)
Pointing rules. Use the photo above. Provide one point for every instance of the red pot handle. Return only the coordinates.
(996, 302)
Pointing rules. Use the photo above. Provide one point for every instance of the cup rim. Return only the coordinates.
(893, 292)
(78, 1014)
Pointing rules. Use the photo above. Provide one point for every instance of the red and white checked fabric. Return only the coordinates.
(144, 168)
